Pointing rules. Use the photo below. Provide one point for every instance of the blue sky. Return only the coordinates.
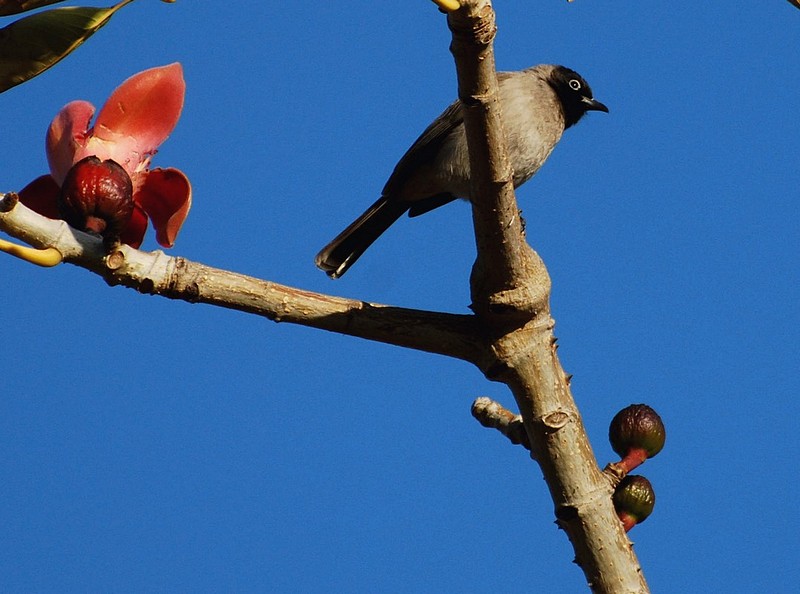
(151, 445)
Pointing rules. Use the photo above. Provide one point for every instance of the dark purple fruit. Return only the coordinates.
(636, 433)
(97, 197)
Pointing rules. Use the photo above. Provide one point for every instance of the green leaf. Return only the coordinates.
(33, 44)
(8, 7)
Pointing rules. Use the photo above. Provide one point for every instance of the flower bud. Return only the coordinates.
(97, 197)
(636, 433)
(634, 500)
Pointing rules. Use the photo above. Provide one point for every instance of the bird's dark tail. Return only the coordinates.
(341, 253)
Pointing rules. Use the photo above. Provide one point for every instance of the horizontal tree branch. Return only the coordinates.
(156, 273)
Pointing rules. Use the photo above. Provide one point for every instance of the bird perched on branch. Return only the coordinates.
(537, 105)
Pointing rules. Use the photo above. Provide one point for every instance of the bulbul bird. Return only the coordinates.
(537, 105)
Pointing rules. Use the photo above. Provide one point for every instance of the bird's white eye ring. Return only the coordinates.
(575, 84)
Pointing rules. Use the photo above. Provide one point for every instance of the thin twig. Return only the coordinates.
(494, 415)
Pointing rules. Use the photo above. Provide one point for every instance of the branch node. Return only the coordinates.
(472, 28)
(555, 420)
(115, 259)
(614, 472)
(8, 201)
(520, 292)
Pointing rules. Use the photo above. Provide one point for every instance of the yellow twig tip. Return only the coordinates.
(46, 257)
(448, 5)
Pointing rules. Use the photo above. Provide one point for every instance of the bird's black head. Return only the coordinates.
(575, 94)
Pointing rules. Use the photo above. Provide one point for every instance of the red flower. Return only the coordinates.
(136, 119)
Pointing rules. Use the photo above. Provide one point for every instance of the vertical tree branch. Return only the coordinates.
(505, 261)
(511, 292)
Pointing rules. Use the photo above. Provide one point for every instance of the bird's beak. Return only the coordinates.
(593, 105)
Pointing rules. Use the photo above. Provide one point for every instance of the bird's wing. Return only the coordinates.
(424, 148)
(427, 145)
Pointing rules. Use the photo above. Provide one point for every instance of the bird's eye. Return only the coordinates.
(575, 84)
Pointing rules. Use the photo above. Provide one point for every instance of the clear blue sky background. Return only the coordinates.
(152, 445)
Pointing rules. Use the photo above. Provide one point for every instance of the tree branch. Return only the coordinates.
(494, 415)
(178, 278)
(508, 276)
(511, 294)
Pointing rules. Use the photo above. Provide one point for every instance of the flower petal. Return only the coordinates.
(41, 195)
(166, 196)
(67, 133)
(133, 233)
(140, 115)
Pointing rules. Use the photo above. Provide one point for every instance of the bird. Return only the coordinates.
(537, 105)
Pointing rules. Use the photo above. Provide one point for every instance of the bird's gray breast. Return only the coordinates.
(533, 122)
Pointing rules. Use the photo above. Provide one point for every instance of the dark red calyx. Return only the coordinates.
(97, 197)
